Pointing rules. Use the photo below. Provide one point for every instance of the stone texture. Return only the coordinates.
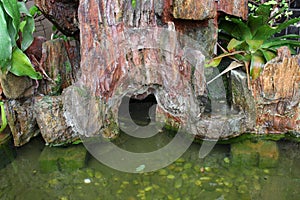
(277, 95)
(62, 159)
(60, 60)
(242, 98)
(260, 153)
(237, 8)
(51, 121)
(15, 87)
(62, 13)
(194, 9)
(133, 62)
(21, 120)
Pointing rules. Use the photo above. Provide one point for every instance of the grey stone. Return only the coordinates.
(242, 97)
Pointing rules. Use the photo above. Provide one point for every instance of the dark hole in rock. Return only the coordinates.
(139, 109)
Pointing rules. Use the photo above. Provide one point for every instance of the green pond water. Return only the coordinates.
(214, 177)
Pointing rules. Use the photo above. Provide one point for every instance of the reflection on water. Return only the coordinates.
(214, 177)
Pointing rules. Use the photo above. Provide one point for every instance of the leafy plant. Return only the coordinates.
(251, 43)
(3, 117)
(16, 20)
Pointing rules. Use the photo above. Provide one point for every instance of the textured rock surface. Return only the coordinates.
(194, 9)
(15, 87)
(21, 120)
(277, 95)
(60, 60)
(62, 159)
(133, 62)
(234, 7)
(50, 119)
(62, 13)
(259, 153)
(242, 98)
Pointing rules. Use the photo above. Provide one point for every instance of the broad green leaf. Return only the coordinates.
(289, 36)
(264, 11)
(5, 42)
(254, 44)
(27, 33)
(21, 65)
(254, 22)
(268, 54)
(236, 28)
(265, 32)
(216, 60)
(12, 10)
(281, 43)
(3, 117)
(233, 44)
(256, 65)
(23, 9)
(34, 10)
(286, 24)
(213, 62)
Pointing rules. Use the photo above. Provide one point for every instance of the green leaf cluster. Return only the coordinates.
(251, 42)
(16, 20)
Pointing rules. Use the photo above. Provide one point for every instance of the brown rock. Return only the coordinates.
(51, 121)
(16, 87)
(21, 120)
(194, 9)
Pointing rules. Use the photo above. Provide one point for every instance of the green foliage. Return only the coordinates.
(133, 3)
(251, 42)
(3, 117)
(15, 19)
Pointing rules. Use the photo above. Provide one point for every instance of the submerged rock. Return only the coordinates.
(264, 154)
(62, 158)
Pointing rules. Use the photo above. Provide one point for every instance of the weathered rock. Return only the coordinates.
(203, 32)
(21, 120)
(62, 13)
(7, 150)
(16, 87)
(242, 98)
(51, 121)
(260, 153)
(62, 159)
(118, 60)
(277, 95)
(60, 60)
(237, 8)
(194, 9)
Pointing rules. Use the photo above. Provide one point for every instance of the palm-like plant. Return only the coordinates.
(251, 43)
(16, 20)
